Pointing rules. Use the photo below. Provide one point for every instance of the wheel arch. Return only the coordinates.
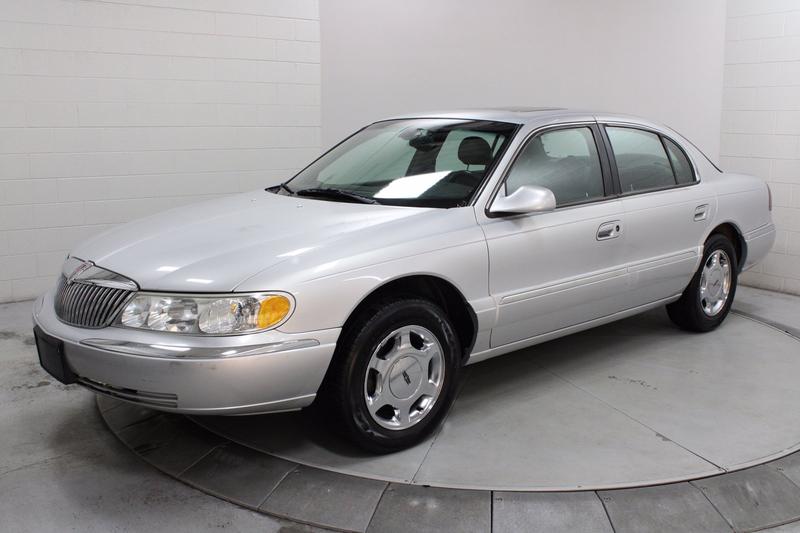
(734, 234)
(433, 288)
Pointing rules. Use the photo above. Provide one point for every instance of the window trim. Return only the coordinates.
(669, 159)
(609, 190)
(489, 172)
(664, 140)
(661, 136)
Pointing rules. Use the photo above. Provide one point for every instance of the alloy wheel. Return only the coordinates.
(404, 377)
(715, 283)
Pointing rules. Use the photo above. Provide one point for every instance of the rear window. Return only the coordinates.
(680, 163)
(642, 162)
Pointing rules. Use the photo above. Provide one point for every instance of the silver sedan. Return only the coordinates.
(416, 246)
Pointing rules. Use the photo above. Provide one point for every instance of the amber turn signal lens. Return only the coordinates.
(273, 309)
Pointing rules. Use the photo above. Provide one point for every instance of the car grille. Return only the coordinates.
(88, 305)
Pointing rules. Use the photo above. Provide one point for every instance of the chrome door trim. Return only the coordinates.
(759, 231)
(596, 277)
(664, 260)
(545, 290)
(544, 337)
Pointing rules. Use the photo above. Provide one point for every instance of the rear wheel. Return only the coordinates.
(707, 300)
(395, 374)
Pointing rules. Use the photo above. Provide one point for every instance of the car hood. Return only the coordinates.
(214, 246)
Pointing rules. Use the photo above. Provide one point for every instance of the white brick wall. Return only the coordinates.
(761, 121)
(114, 109)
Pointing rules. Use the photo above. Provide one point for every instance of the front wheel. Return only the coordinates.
(707, 300)
(395, 374)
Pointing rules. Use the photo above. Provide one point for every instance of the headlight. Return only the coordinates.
(212, 315)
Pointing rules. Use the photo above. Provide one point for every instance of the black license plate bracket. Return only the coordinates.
(51, 356)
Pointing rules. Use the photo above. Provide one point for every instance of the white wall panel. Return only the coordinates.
(663, 60)
(761, 121)
(117, 109)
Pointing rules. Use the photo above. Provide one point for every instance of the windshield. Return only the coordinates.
(413, 162)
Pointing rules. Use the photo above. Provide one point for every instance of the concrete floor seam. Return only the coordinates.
(605, 509)
(712, 504)
(783, 328)
(199, 459)
(441, 426)
(282, 478)
(657, 433)
(371, 518)
(33, 465)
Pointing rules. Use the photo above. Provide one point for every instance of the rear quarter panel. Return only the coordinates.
(740, 200)
(743, 201)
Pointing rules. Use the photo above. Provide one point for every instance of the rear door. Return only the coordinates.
(666, 211)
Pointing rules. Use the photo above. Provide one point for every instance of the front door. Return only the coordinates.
(556, 269)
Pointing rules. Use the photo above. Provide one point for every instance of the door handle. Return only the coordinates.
(701, 212)
(609, 230)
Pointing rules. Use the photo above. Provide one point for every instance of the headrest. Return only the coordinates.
(474, 151)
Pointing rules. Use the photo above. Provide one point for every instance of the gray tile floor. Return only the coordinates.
(646, 403)
(61, 469)
(677, 508)
(545, 512)
(753, 499)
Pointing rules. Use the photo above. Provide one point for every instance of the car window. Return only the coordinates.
(680, 163)
(642, 163)
(564, 161)
(360, 161)
(421, 162)
(448, 154)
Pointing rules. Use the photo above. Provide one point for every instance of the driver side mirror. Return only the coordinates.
(526, 199)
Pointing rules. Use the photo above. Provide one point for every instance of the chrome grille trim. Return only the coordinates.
(88, 304)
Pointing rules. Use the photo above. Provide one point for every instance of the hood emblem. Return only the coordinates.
(84, 266)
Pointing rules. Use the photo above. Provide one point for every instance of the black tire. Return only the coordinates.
(687, 312)
(343, 392)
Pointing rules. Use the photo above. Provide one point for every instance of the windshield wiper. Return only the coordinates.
(278, 187)
(336, 193)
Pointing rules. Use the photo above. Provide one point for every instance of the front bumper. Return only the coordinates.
(245, 374)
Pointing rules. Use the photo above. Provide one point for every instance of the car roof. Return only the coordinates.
(530, 115)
